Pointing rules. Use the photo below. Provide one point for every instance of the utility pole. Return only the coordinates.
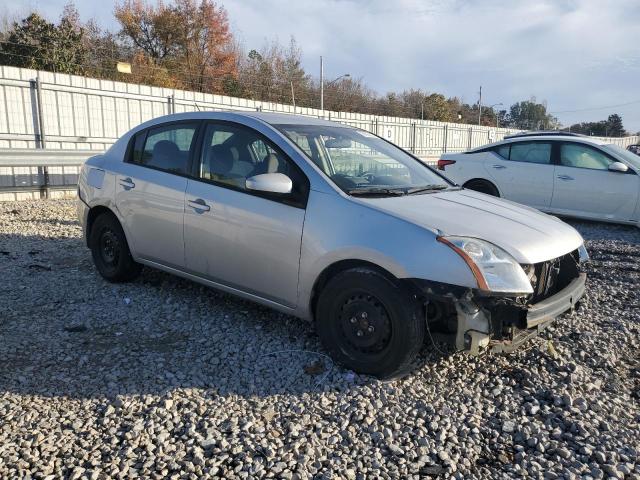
(480, 106)
(293, 96)
(321, 85)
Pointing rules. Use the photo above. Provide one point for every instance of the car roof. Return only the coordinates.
(266, 117)
(545, 133)
(530, 138)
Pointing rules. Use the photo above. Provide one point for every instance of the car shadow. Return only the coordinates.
(64, 331)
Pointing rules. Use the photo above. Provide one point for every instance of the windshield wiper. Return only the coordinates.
(426, 188)
(376, 191)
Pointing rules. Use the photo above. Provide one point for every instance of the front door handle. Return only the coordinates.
(565, 177)
(127, 183)
(499, 167)
(199, 205)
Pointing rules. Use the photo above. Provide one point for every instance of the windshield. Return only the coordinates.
(362, 164)
(631, 158)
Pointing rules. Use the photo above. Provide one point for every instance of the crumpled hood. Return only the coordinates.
(528, 235)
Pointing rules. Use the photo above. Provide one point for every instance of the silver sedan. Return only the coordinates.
(332, 224)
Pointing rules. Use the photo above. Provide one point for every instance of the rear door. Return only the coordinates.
(585, 187)
(150, 191)
(523, 172)
(243, 239)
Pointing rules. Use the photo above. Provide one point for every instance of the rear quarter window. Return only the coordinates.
(502, 151)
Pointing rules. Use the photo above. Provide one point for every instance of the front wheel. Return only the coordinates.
(369, 324)
(110, 250)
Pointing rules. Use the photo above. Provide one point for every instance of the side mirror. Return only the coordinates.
(270, 182)
(618, 167)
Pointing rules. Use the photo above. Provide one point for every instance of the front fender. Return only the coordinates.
(337, 229)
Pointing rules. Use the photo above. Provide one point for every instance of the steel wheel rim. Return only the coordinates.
(109, 248)
(365, 324)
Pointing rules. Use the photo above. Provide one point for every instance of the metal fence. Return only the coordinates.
(58, 113)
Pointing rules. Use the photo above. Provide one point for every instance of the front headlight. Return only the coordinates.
(583, 255)
(495, 270)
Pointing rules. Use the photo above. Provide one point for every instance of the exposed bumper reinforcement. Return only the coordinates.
(557, 304)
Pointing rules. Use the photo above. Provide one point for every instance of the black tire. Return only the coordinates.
(110, 250)
(482, 186)
(391, 330)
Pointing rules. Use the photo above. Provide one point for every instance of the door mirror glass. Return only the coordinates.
(270, 182)
(618, 167)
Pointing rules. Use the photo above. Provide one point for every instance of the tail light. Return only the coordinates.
(443, 163)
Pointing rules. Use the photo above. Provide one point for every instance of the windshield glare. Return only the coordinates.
(358, 161)
(631, 158)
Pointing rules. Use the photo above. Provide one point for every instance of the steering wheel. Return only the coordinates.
(368, 175)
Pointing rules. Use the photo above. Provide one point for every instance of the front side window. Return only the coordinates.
(361, 163)
(583, 156)
(233, 153)
(531, 152)
(166, 147)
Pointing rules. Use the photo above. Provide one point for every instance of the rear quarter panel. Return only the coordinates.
(97, 186)
(467, 167)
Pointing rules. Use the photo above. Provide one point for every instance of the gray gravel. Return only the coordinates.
(162, 378)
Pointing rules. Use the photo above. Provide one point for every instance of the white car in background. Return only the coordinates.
(563, 174)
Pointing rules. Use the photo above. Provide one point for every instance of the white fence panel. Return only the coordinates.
(88, 113)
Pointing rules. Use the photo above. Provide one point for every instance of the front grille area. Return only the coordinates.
(553, 275)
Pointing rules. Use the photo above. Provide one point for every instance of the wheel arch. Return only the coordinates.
(334, 269)
(95, 212)
(483, 180)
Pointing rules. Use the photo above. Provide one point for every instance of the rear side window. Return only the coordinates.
(531, 152)
(165, 148)
(583, 156)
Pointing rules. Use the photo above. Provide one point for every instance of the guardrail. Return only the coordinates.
(29, 174)
(38, 173)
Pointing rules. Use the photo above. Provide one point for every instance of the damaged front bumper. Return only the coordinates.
(499, 324)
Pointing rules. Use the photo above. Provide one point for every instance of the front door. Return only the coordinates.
(585, 187)
(240, 238)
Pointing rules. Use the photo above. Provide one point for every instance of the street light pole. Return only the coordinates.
(321, 85)
(480, 106)
(346, 75)
(495, 105)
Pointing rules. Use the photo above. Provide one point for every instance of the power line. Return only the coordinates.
(598, 108)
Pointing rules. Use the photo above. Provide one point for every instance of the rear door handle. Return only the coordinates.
(199, 205)
(565, 177)
(127, 183)
(499, 167)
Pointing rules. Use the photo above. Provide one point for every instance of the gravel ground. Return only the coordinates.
(162, 378)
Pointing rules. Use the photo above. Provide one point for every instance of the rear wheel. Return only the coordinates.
(482, 186)
(369, 324)
(110, 250)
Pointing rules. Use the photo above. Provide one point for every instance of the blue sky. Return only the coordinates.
(574, 54)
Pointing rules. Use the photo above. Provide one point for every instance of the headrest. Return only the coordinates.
(272, 163)
(220, 159)
(166, 149)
